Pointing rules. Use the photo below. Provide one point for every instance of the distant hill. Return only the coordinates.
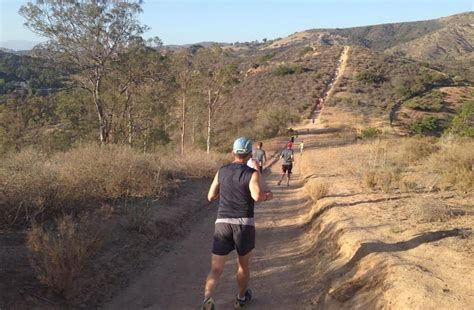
(18, 45)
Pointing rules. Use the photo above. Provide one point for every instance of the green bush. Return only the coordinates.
(428, 125)
(287, 70)
(272, 122)
(306, 50)
(370, 133)
(370, 77)
(463, 123)
(267, 57)
(432, 102)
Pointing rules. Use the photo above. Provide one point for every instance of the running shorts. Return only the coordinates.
(228, 237)
(285, 168)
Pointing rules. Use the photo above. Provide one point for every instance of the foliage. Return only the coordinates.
(306, 50)
(273, 122)
(463, 123)
(91, 46)
(433, 101)
(287, 70)
(370, 132)
(427, 125)
(370, 77)
(267, 57)
(59, 253)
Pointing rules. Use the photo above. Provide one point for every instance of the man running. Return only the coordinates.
(260, 156)
(288, 159)
(301, 147)
(238, 187)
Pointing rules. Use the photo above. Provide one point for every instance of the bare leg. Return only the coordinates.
(217, 267)
(243, 273)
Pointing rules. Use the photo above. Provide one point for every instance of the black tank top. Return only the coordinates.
(235, 198)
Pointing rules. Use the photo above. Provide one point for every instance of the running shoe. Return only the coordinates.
(208, 304)
(242, 303)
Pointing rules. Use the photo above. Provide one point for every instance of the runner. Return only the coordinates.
(288, 160)
(237, 187)
(301, 147)
(260, 156)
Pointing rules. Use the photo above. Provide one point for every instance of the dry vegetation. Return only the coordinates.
(36, 186)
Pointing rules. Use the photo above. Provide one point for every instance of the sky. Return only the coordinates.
(190, 21)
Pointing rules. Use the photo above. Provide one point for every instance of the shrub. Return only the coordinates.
(427, 125)
(415, 149)
(306, 50)
(34, 184)
(139, 217)
(370, 77)
(287, 70)
(267, 57)
(316, 189)
(272, 122)
(59, 253)
(454, 164)
(370, 133)
(434, 101)
(463, 123)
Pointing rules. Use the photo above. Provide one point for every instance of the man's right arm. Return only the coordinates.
(256, 189)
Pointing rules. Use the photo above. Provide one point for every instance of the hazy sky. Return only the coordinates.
(188, 21)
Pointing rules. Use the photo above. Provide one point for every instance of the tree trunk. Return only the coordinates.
(183, 122)
(104, 124)
(209, 122)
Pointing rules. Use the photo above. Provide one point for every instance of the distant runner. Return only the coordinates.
(301, 147)
(237, 187)
(287, 165)
(260, 156)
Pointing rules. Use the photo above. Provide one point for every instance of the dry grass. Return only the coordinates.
(454, 163)
(412, 150)
(317, 189)
(428, 210)
(33, 184)
(59, 253)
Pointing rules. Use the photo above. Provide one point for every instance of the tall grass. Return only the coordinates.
(34, 184)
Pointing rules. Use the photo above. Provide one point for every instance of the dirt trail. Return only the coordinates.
(175, 281)
(329, 90)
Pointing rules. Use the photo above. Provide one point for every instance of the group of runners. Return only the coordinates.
(238, 186)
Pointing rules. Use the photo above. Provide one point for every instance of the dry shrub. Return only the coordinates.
(415, 149)
(95, 173)
(454, 164)
(385, 179)
(369, 179)
(197, 163)
(434, 210)
(407, 185)
(316, 189)
(59, 253)
(139, 218)
(33, 184)
(28, 186)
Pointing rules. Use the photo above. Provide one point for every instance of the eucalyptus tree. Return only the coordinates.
(218, 76)
(89, 34)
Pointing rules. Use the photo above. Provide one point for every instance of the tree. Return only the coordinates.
(88, 34)
(185, 77)
(217, 79)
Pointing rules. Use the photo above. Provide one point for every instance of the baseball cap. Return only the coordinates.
(242, 145)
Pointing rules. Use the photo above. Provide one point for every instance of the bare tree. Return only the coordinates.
(88, 34)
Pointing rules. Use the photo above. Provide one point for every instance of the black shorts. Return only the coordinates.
(228, 237)
(285, 168)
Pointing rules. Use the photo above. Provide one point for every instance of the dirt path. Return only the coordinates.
(329, 90)
(175, 281)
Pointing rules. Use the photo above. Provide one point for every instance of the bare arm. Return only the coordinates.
(214, 189)
(256, 189)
